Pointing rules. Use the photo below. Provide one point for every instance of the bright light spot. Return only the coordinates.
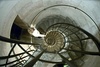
(33, 31)
(66, 66)
(31, 26)
(69, 59)
(36, 33)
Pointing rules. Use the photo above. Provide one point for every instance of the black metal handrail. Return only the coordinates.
(15, 41)
(5, 57)
(13, 61)
(67, 61)
(95, 40)
(61, 5)
(19, 43)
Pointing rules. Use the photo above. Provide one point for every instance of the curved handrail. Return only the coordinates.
(96, 41)
(36, 16)
(15, 41)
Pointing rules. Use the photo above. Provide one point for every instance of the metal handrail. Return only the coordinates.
(15, 41)
(5, 57)
(95, 40)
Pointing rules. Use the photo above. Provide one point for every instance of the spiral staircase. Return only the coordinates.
(65, 44)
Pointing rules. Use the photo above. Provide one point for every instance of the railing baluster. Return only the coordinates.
(85, 52)
(13, 61)
(5, 57)
(10, 52)
(34, 60)
(78, 40)
(14, 65)
(67, 61)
